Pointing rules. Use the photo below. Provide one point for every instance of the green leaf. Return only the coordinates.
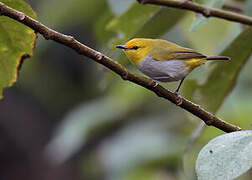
(200, 19)
(144, 21)
(153, 28)
(130, 24)
(223, 74)
(132, 20)
(225, 157)
(219, 35)
(16, 43)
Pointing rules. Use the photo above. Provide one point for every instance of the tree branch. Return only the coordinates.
(69, 41)
(207, 12)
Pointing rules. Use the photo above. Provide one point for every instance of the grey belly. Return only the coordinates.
(165, 71)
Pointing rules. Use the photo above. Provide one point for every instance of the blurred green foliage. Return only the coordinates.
(223, 76)
(112, 129)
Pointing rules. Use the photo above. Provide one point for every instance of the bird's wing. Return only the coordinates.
(175, 53)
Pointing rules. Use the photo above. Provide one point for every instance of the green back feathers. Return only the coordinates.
(169, 51)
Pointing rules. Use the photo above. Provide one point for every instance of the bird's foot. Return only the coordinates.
(176, 93)
(153, 83)
(125, 76)
(178, 98)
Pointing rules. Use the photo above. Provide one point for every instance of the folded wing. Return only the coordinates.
(175, 53)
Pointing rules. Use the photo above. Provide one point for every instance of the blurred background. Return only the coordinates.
(69, 118)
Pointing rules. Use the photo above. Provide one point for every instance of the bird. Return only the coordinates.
(164, 61)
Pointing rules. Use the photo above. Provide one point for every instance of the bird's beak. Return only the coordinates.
(122, 47)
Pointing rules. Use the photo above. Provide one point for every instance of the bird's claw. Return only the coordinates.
(176, 93)
(178, 98)
(153, 83)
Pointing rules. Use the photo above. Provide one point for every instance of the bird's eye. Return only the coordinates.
(135, 47)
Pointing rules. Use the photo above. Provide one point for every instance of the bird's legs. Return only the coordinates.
(177, 90)
(179, 100)
(154, 83)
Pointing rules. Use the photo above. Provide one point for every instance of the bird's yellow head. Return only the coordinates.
(137, 49)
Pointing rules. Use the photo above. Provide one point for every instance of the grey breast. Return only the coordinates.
(166, 71)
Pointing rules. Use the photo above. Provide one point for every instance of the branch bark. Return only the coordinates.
(71, 42)
(207, 12)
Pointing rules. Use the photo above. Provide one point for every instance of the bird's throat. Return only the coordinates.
(137, 56)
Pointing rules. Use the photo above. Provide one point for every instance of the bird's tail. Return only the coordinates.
(218, 58)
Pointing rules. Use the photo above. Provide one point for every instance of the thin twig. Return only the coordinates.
(207, 12)
(71, 42)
